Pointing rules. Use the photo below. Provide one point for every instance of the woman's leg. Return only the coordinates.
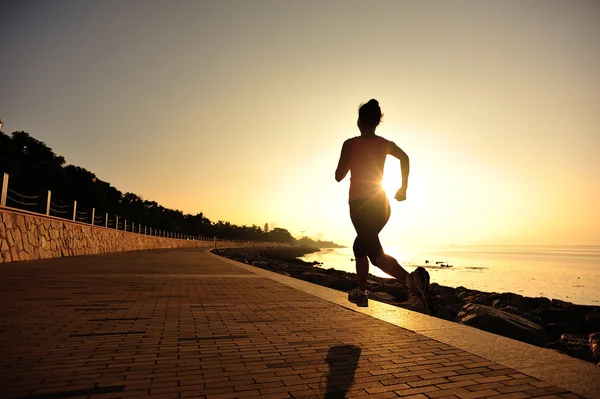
(359, 217)
(391, 266)
(386, 262)
(362, 272)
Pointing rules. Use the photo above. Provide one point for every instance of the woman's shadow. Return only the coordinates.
(342, 361)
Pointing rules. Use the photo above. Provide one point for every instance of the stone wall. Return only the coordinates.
(29, 236)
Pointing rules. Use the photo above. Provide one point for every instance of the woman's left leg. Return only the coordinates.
(387, 263)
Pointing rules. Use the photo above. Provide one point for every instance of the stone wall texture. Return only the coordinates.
(26, 236)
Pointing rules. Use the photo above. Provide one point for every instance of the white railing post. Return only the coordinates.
(106, 220)
(133, 227)
(93, 215)
(116, 222)
(48, 203)
(125, 225)
(74, 210)
(4, 190)
(215, 242)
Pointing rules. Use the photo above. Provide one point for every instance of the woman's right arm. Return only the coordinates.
(344, 162)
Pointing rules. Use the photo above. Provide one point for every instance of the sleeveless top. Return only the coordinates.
(367, 158)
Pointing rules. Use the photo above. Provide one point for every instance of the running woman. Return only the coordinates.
(364, 157)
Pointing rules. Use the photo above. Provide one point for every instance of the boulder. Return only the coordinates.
(502, 323)
(594, 342)
(556, 330)
(453, 309)
(576, 345)
(480, 298)
(592, 321)
(531, 304)
(342, 283)
(444, 313)
(445, 295)
(525, 315)
(400, 292)
(565, 316)
(383, 297)
(561, 304)
(316, 278)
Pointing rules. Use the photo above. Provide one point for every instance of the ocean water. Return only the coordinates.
(568, 273)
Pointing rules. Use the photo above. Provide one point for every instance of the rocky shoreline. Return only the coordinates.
(563, 326)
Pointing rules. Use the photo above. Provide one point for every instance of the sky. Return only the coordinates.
(238, 109)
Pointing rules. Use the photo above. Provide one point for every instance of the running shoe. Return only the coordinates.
(361, 300)
(418, 286)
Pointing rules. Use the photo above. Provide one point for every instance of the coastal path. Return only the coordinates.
(184, 323)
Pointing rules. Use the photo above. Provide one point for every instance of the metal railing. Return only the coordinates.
(10, 198)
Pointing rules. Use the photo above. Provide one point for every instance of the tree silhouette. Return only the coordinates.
(34, 168)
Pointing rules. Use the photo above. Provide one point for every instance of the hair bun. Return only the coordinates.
(373, 102)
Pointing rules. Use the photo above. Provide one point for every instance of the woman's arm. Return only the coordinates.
(397, 152)
(344, 163)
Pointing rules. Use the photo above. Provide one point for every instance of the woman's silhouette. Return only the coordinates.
(364, 157)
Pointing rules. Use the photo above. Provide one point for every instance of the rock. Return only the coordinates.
(557, 303)
(525, 315)
(531, 304)
(398, 291)
(556, 330)
(383, 297)
(576, 345)
(443, 313)
(565, 316)
(502, 323)
(453, 309)
(342, 283)
(561, 304)
(331, 270)
(316, 278)
(592, 321)
(594, 342)
(480, 298)
(415, 305)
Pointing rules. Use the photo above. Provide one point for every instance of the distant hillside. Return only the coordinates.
(309, 242)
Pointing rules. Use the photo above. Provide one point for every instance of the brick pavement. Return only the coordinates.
(184, 324)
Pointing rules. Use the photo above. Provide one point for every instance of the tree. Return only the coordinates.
(34, 168)
(280, 235)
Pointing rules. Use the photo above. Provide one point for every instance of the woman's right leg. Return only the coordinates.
(359, 218)
(362, 272)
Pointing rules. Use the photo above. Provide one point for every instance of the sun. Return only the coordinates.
(392, 178)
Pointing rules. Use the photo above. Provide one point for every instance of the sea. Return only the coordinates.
(568, 273)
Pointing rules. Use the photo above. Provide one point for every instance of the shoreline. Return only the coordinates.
(569, 328)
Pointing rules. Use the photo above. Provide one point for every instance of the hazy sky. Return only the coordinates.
(238, 109)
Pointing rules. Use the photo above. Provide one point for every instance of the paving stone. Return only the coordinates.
(183, 324)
